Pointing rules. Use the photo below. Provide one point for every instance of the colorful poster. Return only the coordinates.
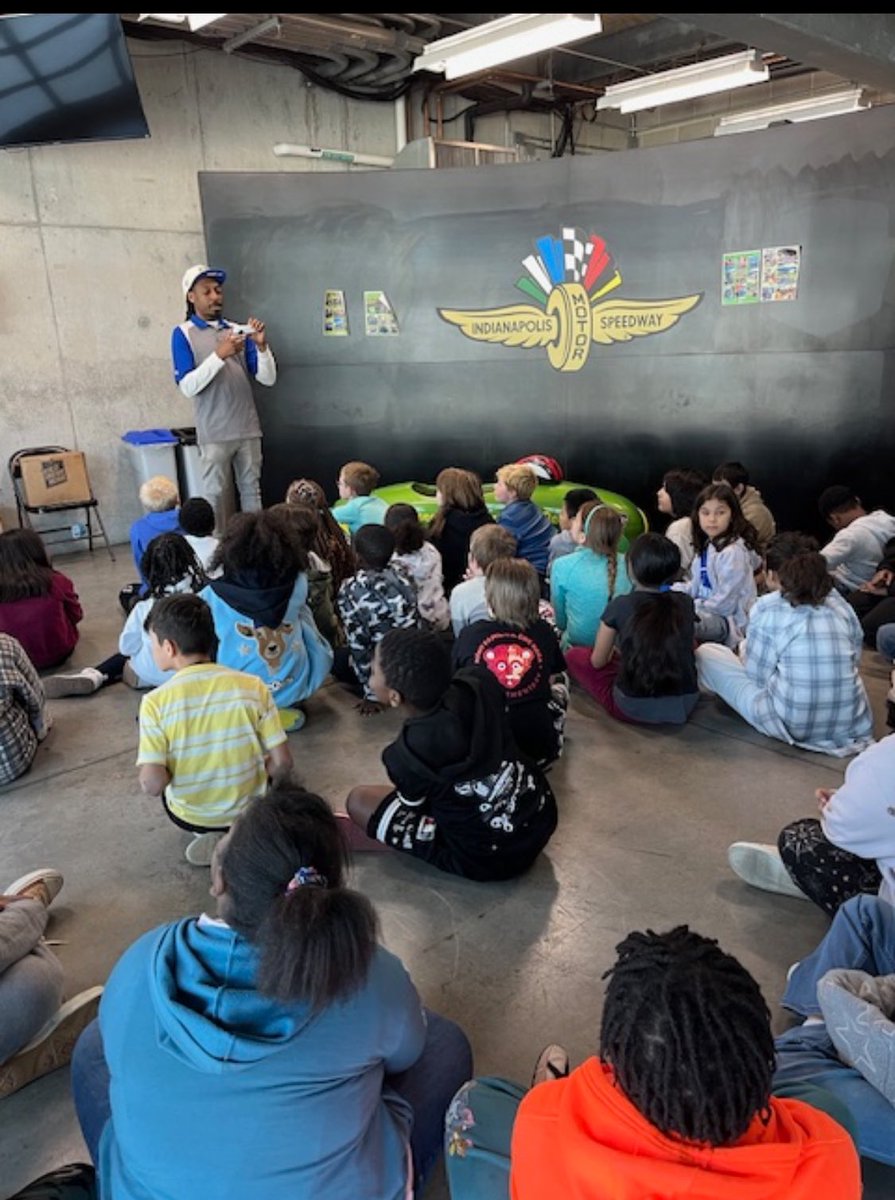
(335, 313)
(741, 277)
(780, 272)
(379, 316)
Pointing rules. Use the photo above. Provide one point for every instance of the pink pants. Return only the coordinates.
(597, 683)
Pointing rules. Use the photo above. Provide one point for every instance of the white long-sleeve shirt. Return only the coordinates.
(860, 816)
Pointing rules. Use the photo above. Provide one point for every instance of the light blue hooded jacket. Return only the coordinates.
(218, 1091)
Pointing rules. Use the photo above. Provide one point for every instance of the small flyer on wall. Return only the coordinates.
(379, 316)
(780, 272)
(741, 277)
(335, 314)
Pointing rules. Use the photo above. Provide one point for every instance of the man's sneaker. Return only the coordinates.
(553, 1063)
(44, 885)
(761, 865)
(200, 850)
(52, 1047)
(81, 683)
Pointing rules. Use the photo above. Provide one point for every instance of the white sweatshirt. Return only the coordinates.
(854, 553)
(860, 816)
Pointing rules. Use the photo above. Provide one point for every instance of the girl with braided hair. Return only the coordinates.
(678, 1105)
(273, 1049)
(169, 564)
(583, 583)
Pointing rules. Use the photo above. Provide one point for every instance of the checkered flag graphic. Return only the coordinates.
(575, 254)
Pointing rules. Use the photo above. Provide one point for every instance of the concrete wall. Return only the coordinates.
(94, 239)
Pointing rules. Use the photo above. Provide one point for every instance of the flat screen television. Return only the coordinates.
(66, 77)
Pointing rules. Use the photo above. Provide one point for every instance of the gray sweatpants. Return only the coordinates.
(31, 977)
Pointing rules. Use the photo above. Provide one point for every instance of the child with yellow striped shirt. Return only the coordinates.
(209, 736)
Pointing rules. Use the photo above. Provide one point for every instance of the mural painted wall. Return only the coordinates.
(574, 308)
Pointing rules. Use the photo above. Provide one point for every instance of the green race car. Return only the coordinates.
(548, 496)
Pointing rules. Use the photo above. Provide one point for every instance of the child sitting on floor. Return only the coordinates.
(304, 520)
(169, 565)
(356, 505)
(564, 542)
(532, 530)
(522, 652)
(677, 498)
(39, 606)
(209, 736)
(422, 562)
(159, 498)
(330, 543)
(461, 511)
(468, 603)
(799, 678)
(642, 668)
(24, 720)
(380, 597)
(462, 799)
(583, 583)
(722, 579)
(197, 526)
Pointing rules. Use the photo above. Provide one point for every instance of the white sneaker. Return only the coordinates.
(761, 866)
(45, 882)
(201, 848)
(553, 1063)
(52, 1047)
(81, 683)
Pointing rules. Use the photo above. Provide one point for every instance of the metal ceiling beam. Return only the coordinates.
(855, 46)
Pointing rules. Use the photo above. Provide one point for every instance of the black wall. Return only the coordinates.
(802, 392)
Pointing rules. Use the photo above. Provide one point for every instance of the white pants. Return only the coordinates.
(720, 671)
(244, 457)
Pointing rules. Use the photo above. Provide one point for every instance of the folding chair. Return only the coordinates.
(33, 491)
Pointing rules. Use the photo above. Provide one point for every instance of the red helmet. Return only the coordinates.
(544, 467)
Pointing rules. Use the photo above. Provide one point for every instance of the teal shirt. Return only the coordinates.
(360, 510)
(579, 592)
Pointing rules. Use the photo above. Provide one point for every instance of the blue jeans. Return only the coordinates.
(885, 641)
(862, 937)
(446, 1061)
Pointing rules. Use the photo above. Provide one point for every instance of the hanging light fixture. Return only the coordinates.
(505, 40)
(831, 104)
(685, 83)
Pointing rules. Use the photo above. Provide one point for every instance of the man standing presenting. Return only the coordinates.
(214, 363)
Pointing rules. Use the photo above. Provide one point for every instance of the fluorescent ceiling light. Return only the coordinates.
(195, 20)
(833, 104)
(505, 40)
(700, 79)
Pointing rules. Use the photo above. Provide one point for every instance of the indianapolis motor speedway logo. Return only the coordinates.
(568, 278)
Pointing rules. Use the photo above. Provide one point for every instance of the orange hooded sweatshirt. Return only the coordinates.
(580, 1138)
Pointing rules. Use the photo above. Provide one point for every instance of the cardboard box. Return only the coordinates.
(53, 479)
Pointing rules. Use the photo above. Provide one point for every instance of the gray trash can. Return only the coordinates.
(151, 454)
(189, 474)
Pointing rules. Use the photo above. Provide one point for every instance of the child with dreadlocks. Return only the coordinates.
(679, 1103)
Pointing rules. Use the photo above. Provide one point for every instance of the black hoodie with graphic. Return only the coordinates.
(490, 811)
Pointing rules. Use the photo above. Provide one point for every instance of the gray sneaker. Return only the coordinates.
(760, 865)
(80, 683)
(200, 850)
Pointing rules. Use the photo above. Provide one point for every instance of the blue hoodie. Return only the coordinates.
(219, 1091)
(532, 530)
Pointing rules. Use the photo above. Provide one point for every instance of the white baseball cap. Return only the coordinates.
(200, 271)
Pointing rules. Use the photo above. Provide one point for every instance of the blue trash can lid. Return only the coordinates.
(149, 437)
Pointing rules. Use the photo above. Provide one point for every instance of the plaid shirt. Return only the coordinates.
(805, 660)
(23, 715)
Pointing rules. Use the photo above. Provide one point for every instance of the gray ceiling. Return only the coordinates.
(371, 54)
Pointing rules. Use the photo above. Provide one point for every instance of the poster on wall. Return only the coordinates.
(335, 313)
(741, 277)
(379, 316)
(780, 272)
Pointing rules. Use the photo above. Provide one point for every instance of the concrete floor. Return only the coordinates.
(645, 820)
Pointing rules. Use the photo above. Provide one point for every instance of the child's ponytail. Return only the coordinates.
(283, 872)
(651, 665)
(602, 527)
(403, 520)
